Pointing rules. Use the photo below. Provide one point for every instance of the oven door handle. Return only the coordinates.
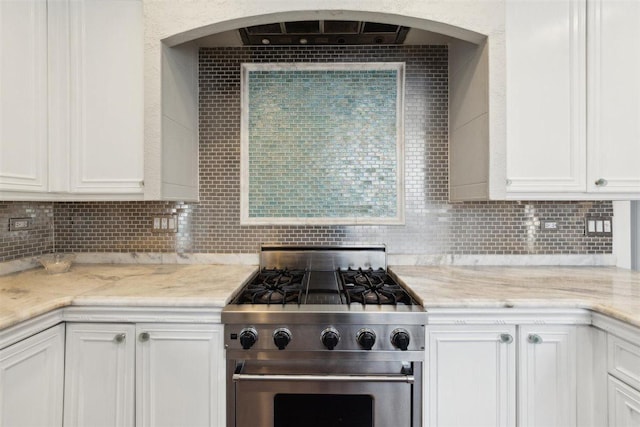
(328, 378)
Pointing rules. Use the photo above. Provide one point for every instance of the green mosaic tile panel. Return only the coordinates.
(323, 143)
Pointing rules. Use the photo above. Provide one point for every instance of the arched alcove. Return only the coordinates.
(344, 15)
(476, 46)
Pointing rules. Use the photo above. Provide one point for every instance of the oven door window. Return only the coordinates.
(323, 410)
(300, 403)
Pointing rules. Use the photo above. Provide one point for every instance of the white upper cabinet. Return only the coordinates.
(71, 104)
(106, 76)
(23, 96)
(546, 96)
(613, 137)
(573, 99)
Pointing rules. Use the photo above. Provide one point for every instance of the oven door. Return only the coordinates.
(322, 400)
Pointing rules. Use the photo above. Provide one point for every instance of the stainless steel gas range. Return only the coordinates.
(324, 336)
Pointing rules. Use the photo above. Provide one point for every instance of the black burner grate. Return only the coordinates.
(274, 286)
(373, 287)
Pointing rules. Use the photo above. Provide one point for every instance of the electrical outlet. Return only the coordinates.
(549, 225)
(164, 224)
(598, 226)
(20, 224)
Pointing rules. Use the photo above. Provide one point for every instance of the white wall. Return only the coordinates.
(622, 233)
(469, 142)
(635, 235)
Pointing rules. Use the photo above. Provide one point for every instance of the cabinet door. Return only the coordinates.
(624, 404)
(106, 105)
(99, 375)
(23, 96)
(614, 96)
(471, 376)
(545, 96)
(180, 376)
(547, 376)
(31, 380)
(623, 360)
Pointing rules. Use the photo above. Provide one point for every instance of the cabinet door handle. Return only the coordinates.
(144, 336)
(601, 182)
(506, 338)
(120, 338)
(534, 338)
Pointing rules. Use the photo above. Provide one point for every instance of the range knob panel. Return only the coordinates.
(400, 339)
(248, 337)
(366, 338)
(330, 338)
(281, 338)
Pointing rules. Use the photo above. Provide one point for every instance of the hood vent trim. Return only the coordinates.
(323, 32)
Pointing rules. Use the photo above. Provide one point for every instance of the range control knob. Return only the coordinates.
(366, 338)
(330, 338)
(400, 339)
(248, 337)
(281, 338)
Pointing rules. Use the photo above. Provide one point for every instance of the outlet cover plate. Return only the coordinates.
(164, 224)
(598, 226)
(549, 225)
(20, 224)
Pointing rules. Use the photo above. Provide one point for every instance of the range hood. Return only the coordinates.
(323, 32)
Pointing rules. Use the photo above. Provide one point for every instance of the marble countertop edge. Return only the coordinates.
(606, 290)
(214, 304)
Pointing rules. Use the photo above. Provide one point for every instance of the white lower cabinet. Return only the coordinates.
(180, 375)
(623, 366)
(472, 376)
(31, 380)
(547, 376)
(99, 378)
(178, 371)
(624, 404)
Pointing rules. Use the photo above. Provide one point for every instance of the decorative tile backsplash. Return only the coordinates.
(37, 240)
(433, 226)
(322, 143)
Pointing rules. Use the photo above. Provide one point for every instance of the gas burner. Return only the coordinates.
(317, 276)
(368, 280)
(277, 286)
(372, 287)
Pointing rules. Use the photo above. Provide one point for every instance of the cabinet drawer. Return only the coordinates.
(624, 404)
(623, 361)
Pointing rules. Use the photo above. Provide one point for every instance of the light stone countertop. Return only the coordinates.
(611, 291)
(33, 292)
(607, 290)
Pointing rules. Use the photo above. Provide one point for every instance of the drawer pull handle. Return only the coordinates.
(327, 378)
(601, 182)
(506, 338)
(120, 338)
(534, 339)
(144, 336)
